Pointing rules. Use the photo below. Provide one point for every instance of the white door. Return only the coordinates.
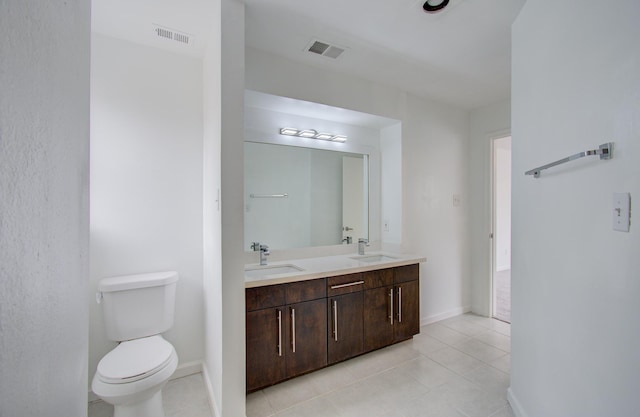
(354, 195)
(502, 229)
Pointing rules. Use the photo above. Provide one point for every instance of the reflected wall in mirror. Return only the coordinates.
(299, 197)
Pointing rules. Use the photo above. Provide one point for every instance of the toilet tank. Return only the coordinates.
(136, 306)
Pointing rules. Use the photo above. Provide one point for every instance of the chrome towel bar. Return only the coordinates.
(285, 195)
(605, 151)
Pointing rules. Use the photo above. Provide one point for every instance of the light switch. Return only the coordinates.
(621, 211)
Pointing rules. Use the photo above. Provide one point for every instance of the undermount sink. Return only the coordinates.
(374, 258)
(267, 270)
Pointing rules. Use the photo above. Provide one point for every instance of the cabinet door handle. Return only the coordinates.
(391, 304)
(335, 320)
(293, 330)
(350, 284)
(399, 304)
(279, 332)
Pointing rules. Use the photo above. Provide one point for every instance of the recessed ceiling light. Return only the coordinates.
(434, 6)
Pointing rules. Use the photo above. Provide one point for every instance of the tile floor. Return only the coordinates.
(454, 368)
(182, 397)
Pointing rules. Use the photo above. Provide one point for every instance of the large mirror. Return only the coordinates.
(299, 197)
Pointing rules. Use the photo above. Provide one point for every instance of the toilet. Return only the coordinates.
(136, 310)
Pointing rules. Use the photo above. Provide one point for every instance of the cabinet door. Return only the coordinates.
(265, 334)
(407, 308)
(345, 326)
(307, 338)
(378, 317)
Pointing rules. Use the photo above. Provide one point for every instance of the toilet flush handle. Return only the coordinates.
(98, 297)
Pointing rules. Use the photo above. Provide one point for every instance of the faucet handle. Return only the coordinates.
(256, 246)
(363, 240)
(264, 249)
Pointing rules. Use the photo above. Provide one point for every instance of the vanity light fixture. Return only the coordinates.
(312, 134)
(309, 133)
(288, 131)
(323, 136)
(339, 138)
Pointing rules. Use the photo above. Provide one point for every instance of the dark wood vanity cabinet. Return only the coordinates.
(407, 303)
(392, 306)
(285, 331)
(345, 309)
(299, 327)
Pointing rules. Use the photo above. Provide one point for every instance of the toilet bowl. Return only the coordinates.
(132, 375)
(137, 309)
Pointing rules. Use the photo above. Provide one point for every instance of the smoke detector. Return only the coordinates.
(164, 32)
(325, 49)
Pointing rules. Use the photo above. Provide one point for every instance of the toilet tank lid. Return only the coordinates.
(130, 282)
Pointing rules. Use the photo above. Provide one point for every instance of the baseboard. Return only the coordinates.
(445, 315)
(515, 404)
(209, 387)
(185, 369)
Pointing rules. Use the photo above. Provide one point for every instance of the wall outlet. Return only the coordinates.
(385, 225)
(456, 200)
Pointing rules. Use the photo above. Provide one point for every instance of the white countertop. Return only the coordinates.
(326, 266)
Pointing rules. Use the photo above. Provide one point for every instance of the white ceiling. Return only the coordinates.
(461, 55)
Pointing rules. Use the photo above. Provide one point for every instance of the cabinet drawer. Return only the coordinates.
(378, 278)
(345, 284)
(407, 273)
(264, 297)
(297, 292)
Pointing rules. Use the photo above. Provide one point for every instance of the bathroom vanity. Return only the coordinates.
(326, 311)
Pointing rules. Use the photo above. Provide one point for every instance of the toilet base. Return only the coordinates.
(151, 407)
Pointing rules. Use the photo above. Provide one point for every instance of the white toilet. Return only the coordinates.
(137, 309)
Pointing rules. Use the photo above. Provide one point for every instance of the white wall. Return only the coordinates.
(44, 208)
(487, 123)
(212, 221)
(231, 372)
(575, 333)
(434, 168)
(391, 176)
(434, 154)
(146, 180)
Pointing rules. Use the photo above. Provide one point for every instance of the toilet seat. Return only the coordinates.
(134, 360)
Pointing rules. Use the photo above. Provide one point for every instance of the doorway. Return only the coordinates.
(501, 226)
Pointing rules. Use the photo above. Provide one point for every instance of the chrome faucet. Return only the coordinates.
(264, 251)
(362, 242)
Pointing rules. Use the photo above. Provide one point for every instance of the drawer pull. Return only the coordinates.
(279, 332)
(335, 320)
(391, 303)
(350, 284)
(293, 330)
(399, 304)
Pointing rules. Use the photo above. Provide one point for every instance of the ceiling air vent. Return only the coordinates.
(171, 34)
(325, 49)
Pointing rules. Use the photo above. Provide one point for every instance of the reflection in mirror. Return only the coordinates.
(299, 197)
